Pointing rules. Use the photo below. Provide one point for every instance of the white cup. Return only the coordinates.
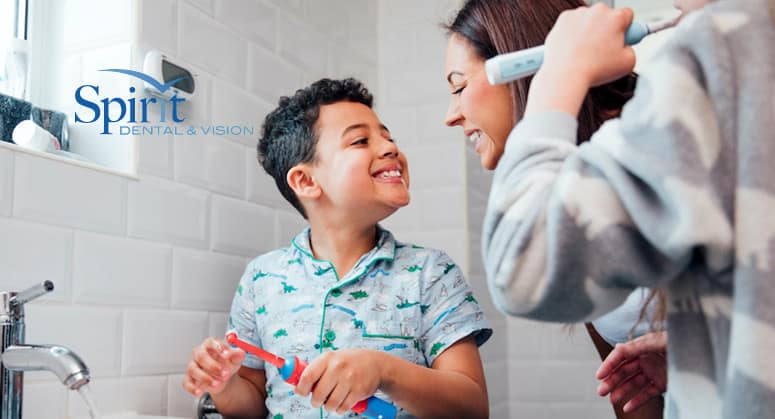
(30, 135)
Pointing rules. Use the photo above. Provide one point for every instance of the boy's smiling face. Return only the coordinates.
(359, 168)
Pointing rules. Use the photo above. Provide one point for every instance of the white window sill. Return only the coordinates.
(88, 165)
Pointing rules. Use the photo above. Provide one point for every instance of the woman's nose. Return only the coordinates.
(453, 117)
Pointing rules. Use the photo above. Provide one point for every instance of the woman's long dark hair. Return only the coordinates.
(495, 27)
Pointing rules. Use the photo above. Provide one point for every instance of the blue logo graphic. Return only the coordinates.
(131, 113)
(146, 78)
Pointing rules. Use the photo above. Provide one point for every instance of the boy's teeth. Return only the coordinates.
(390, 173)
(475, 136)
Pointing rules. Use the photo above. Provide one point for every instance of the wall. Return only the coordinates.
(413, 99)
(145, 268)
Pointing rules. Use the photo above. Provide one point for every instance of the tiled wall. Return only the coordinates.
(146, 268)
(412, 102)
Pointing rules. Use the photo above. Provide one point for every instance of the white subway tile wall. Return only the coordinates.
(168, 211)
(6, 181)
(211, 163)
(160, 341)
(204, 280)
(98, 341)
(62, 194)
(138, 271)
(146, 268)
(242, 228)
(32, 252)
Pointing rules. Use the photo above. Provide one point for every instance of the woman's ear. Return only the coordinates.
(302, 182)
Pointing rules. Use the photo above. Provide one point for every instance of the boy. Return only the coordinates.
(678, 193)
(369, 313)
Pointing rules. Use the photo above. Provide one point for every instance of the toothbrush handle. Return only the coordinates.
(373, 407)
(512, 66)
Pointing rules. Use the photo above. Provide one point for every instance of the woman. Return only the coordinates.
(487, 114)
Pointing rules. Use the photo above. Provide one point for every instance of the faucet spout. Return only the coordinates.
(61, 361)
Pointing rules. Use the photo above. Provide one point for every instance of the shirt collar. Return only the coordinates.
(384, 249)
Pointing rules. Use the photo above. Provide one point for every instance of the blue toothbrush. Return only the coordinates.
(516, 65)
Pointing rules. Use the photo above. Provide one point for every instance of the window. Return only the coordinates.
(13, 19)
(13, 47)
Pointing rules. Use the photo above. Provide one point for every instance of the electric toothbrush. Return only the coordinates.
(291, 369)
(512, 66)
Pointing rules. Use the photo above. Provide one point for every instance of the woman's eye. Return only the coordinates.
(360, 141)
(458, 91)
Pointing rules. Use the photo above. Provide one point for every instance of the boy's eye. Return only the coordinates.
(360, 141)
(458, 91)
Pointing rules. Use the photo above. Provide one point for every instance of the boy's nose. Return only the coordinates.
(390, 149)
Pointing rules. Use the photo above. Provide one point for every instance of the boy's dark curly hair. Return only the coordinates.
(288, 136)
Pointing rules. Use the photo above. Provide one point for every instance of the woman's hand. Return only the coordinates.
(635, 371)
(584, 49)
(588, 43)
(213, 364)
(340, 379)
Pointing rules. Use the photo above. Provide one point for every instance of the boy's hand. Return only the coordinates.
(213, 363)
(340, 379)
(585, 48)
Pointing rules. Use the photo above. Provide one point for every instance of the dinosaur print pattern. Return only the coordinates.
(406, 300)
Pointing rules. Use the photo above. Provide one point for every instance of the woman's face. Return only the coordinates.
(485, 112)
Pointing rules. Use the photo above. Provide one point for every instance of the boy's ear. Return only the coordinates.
(302, 182)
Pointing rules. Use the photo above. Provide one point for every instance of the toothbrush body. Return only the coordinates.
(505, 68)
(291, 369)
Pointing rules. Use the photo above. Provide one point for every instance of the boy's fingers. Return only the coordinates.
(199, 376)
(322, 391)
(348, 403)
(191, 387)
(310, 376)
(336, 398)
(217, 348)
(236, 356)
(213, 366)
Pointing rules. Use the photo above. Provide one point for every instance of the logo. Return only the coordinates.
(131, 114)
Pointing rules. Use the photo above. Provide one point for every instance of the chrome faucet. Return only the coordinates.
(17, 357)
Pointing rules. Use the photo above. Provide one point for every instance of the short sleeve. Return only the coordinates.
(450, 310)
(242, 318)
